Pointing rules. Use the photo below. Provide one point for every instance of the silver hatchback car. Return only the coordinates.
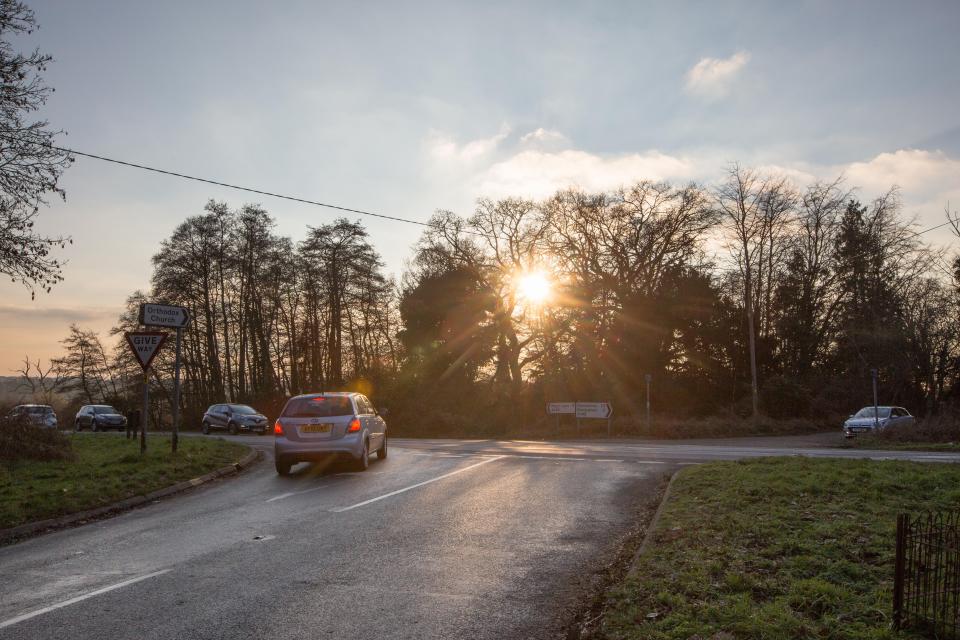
(318, 425)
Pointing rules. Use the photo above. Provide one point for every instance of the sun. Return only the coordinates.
(535, 287)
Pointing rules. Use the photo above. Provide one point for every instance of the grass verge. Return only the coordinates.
(105, 469)
(776, 548)
(870, 442)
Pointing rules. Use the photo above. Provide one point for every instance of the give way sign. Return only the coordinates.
(145, 345)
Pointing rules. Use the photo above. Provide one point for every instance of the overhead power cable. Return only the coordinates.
(316, 203)
(262, 192)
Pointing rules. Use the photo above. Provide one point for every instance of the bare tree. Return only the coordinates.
(43, 384)
(755, 210)
(29, 165)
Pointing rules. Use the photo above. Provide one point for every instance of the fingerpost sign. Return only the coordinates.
(172, 316)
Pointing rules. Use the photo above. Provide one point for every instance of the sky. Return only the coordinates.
(407, 108)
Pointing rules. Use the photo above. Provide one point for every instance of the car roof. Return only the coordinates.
(342, 394)
(33, 405)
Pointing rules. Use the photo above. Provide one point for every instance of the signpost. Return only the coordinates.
(145, 346)
(165, 315)
(560, 408)
(649, 379)
(598, 410)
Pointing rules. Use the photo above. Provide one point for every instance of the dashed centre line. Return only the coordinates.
(414, 486)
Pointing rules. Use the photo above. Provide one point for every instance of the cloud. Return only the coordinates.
(928, 181)
(542, 135)
(444, 148)
(24, 315)
(911, 169)
(538, 174)
(711, 77)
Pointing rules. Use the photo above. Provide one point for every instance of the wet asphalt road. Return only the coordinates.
(444, 539)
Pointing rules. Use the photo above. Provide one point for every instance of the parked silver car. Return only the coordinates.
(41, 415)
(318, 425)
(98, 417)
(234, 418)
(867, 420)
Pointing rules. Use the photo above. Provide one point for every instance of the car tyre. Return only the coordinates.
(76, 426)
(232, 428)
(283, 467)
(364, 461)
(205, 427)
(382, 451)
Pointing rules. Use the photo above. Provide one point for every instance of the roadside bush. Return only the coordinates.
(783, 397)
(20, 440)
(724, 426)
(941, 428)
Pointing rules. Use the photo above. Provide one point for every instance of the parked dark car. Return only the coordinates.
(41, 415)
(234, 418)
(99, 417)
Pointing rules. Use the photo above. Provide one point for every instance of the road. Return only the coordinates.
(444, 539)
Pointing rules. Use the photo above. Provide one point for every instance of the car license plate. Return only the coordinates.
(316, 428)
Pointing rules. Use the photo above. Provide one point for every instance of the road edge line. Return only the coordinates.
(31, 529)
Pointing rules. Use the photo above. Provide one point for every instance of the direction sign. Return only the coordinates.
(145, 345)
(556, 408)
(163, 315)
(601, 410)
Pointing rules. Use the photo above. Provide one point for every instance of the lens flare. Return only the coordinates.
(535, 287)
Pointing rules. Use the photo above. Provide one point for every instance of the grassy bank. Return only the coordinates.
(776, 548)
(105, 469)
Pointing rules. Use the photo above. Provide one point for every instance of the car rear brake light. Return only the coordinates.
(277, 428)
(354, 425)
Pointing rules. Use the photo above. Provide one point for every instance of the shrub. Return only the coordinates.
(20, 440)
(724, 426)
(941, 428)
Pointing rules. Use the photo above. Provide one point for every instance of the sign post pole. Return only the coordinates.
(145, 345)
(173, 317)
(176, 394)
(649, 378)
(146, 410)
(608, 423)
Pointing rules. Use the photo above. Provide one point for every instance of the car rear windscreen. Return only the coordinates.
(319, 407)
(39, 411)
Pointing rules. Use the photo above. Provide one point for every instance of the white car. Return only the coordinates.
(867, 420)
(41, 415)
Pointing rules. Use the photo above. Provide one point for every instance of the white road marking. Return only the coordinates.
(414, 486)
(66, 603)
(532, 457)
(297, 493)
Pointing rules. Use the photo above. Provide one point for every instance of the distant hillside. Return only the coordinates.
(13, 391)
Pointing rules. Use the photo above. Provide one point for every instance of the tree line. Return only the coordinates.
(751, 297)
